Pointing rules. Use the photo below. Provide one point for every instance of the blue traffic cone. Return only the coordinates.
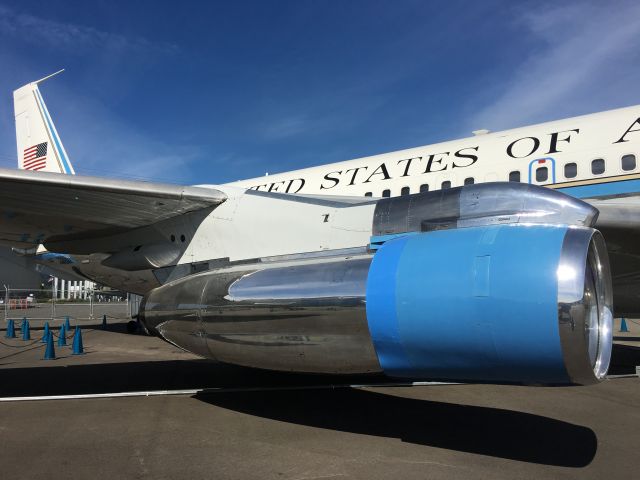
(24, 320)
(67, 326)
(62, 336)
(11, 329)
(45, 333)
(50, 352)
(104, 321)
(26, 331)
(623, 325)
(78, 349)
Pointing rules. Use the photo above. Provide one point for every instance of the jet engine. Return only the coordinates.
(504, 301)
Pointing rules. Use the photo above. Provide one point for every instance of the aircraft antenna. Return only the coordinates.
(48, 76)
(483, 131)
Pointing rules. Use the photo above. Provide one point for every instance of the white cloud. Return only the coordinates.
(285, 127)
(585, 59)
(72, 37)
(101, 143)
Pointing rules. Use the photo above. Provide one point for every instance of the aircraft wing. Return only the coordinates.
(36, 207)
(618, 212)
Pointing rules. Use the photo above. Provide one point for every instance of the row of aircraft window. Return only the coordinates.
(627, 162)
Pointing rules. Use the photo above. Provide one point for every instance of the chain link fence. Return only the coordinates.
(88, 304)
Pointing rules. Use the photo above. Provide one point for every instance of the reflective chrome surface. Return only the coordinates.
(480, 204)
(173, 314)
(585, 305)
(144, 257)
(303, 315)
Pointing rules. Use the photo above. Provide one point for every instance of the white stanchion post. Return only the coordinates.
(54, 295)
(6, 303)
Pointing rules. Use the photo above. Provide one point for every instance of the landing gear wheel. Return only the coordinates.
(132, 326)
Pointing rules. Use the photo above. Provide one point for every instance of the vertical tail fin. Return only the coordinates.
(39, 145)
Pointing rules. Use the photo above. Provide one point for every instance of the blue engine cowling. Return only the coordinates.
(493, 304)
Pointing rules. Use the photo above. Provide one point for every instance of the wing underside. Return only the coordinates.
(38, 207)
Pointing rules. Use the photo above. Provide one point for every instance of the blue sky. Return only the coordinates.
(211, 92)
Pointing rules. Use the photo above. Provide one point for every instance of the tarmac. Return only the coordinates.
(246, 423)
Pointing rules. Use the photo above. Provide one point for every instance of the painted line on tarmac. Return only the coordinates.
(204, 391)
(100, 395)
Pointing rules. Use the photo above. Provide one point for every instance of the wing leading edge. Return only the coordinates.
(39, 207)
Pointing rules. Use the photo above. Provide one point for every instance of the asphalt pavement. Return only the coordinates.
(262, 425)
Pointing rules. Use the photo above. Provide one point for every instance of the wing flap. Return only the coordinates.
(36, 207)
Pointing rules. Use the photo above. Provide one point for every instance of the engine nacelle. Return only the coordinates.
(492, 304)
(502, 303)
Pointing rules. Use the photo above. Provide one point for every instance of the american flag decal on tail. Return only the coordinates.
(35, 158)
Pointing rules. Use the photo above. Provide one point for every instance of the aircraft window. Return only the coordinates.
(597, 166)
(542, 174)
(368, 194)
(386, 193)
(514, 176)
(628, 162)
(173, 238)
(570, 170)
(182, 238)
(405, 191)
(469, 181)
(446, 184)
(424, 187)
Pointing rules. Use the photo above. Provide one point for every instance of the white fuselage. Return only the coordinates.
(491, 157)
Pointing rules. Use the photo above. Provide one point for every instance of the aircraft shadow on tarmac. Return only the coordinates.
(627, 339)
(51, 379)
(154, 375)
(624, 359)
(481, 430)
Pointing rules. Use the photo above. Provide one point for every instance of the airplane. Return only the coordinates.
(484, 259)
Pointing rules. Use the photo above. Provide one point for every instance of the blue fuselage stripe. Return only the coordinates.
(618, 187)
(65, 162)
